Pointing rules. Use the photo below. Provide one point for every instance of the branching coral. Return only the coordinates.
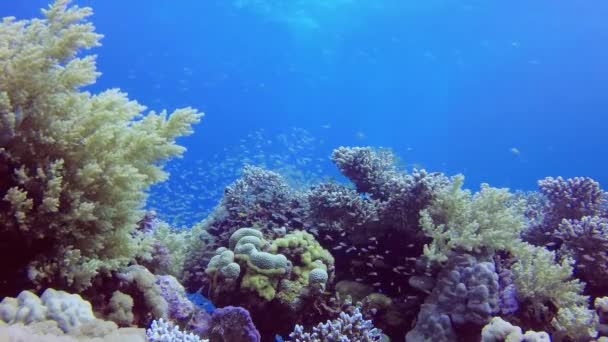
(587, 242)
(570, 199)
(74, 166)
(540, 280)
(335, 207)
(163, 331)
(458, 221)
(348, 327)
(370, 170)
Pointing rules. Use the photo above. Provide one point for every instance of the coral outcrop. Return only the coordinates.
(74, 166)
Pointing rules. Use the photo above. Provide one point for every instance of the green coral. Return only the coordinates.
(308, 258)
(492, 220)
(281, 270)
(304, 249)
(539, 279)
(74, 166)
(177, 242)
(263, 285)
(457, 220)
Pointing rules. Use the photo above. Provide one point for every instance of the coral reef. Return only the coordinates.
(74, 165)
(406, 253)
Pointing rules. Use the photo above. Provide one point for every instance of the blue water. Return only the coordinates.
(504, 92)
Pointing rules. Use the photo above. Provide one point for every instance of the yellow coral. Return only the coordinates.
(539, 278)
(75, 166)
(457, 220)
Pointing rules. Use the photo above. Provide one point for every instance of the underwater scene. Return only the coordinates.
(294, 170)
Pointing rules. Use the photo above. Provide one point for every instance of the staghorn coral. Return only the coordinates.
(74, 165)
(458, 221)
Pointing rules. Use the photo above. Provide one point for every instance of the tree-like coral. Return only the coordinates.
(456, 220)
(73, 166)
(540, 280)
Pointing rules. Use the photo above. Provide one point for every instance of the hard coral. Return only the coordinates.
(570, 199)
(586, 240)
(348, 327)
(541, 281)
(74, 166)
(466, 292)
(370, 170)
(163, 331)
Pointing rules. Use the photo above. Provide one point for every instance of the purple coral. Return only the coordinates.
(367, 168)
(180, 308)
(259, 198)
(569, 199)
(572, 198)
(336, 207)
(586, 240)
(232, 324)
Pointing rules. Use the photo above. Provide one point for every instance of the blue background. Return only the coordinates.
(452, 86)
